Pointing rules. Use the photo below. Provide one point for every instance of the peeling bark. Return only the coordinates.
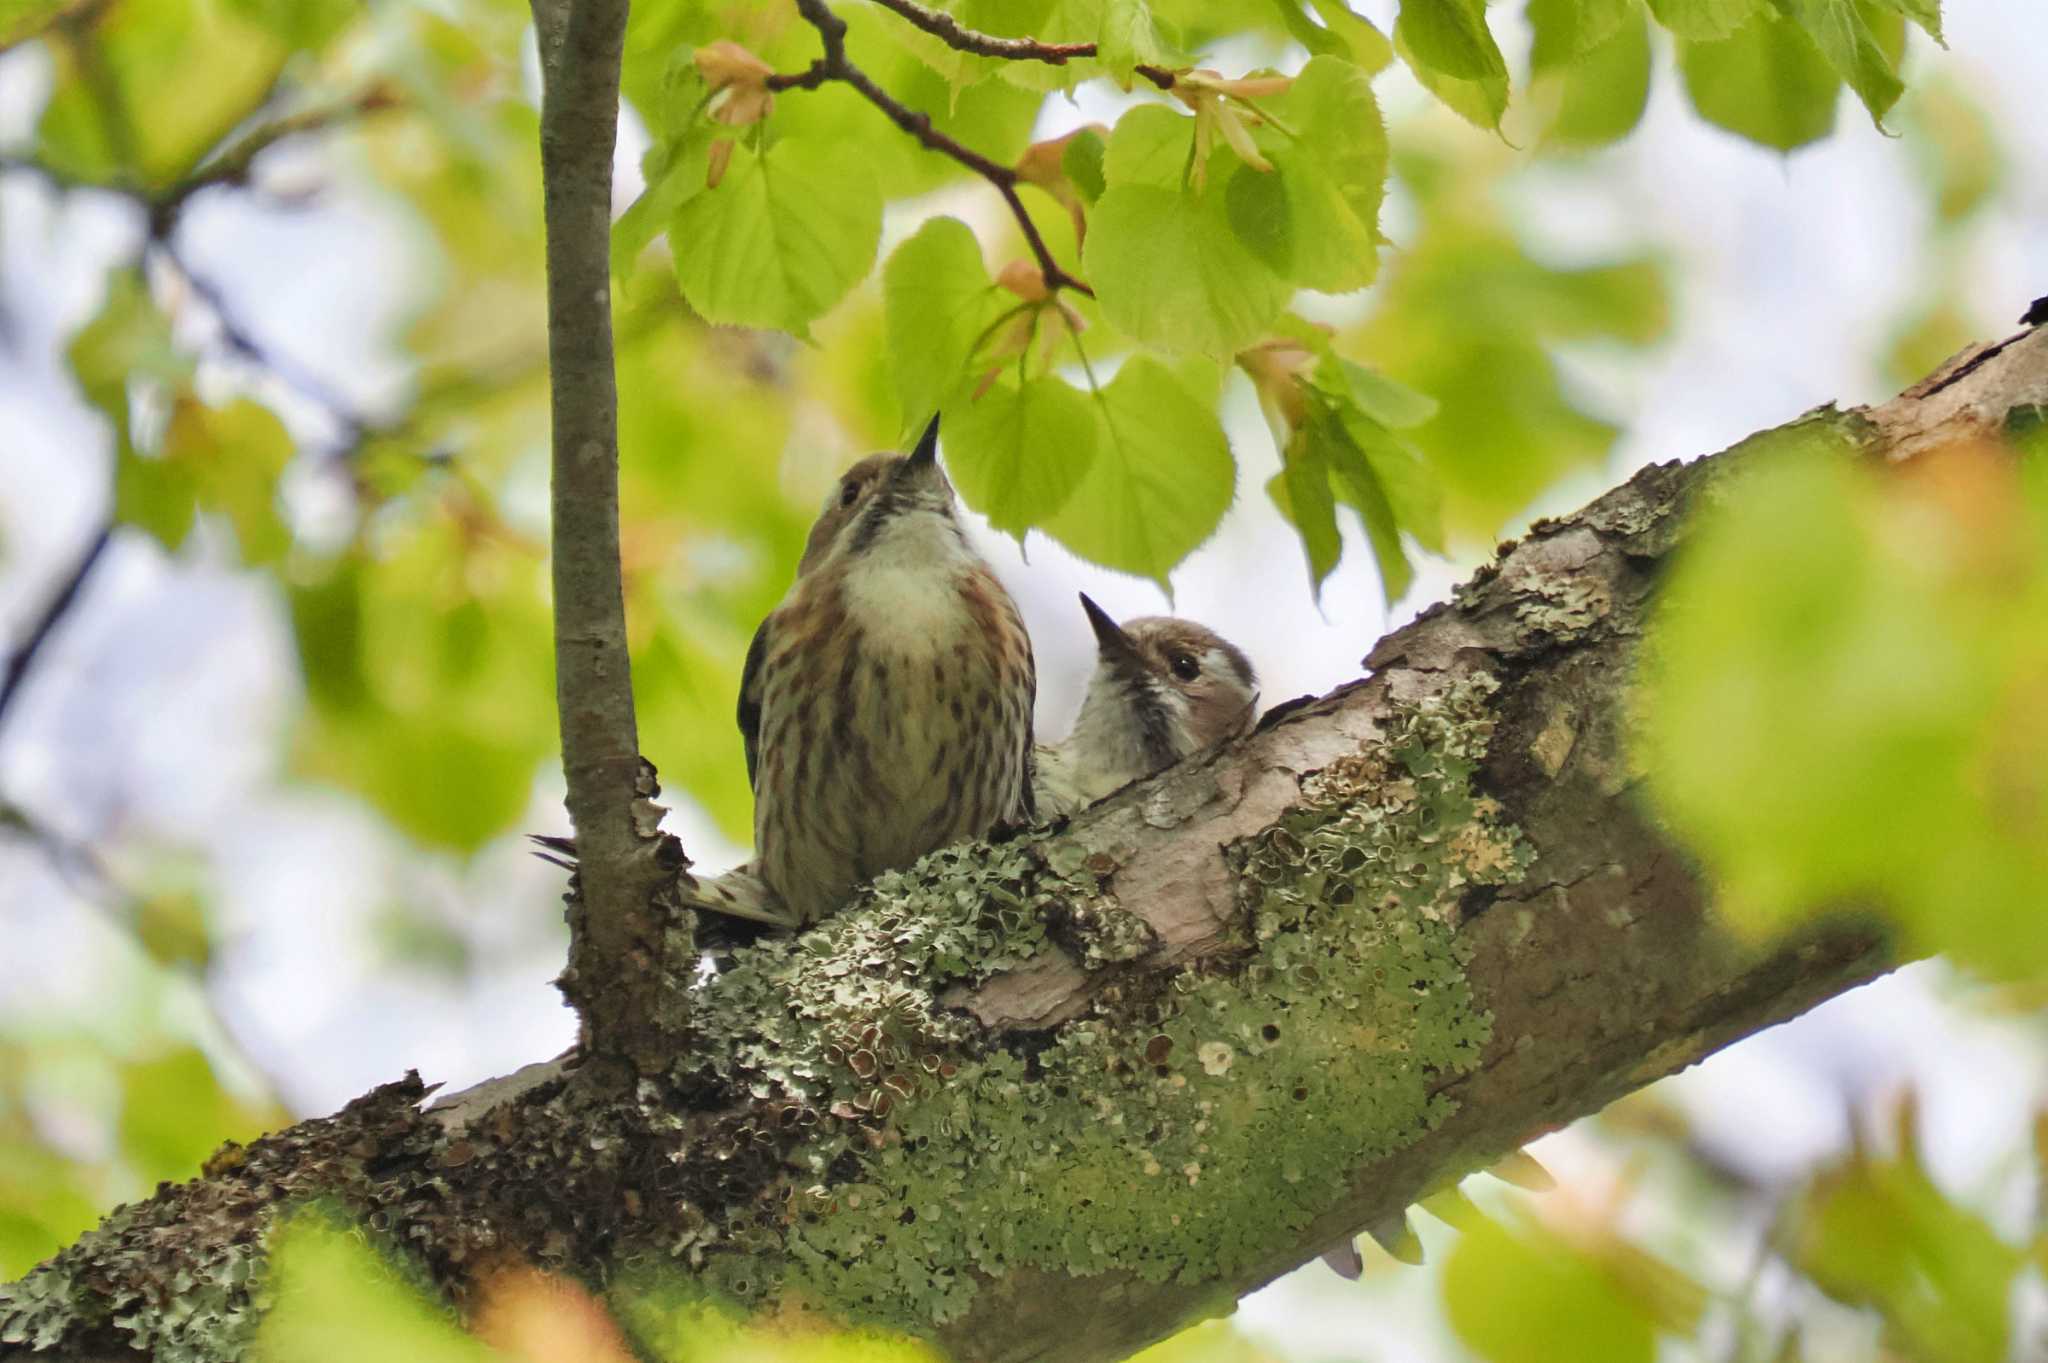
(895, 1118)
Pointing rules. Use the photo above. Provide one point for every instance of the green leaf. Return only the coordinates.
(1301, 490)
(302, 24)
(1388, 403)
(1480, 101)
(1956, 150)
(1367, 47)
(1879, 1234)
(44, 1204)
(21, 20)
(674, 170)
(1360, 486)
(1837, 707)
(1603, 93)
(1766, 82)
(174, 1113)
(1450, 37)
(1170, 270)
(1150, 145)
(233, 457)
(1081, 161)
(1128, 38)
(1332, 175)
(939, 302)
(1704, 21)
(1567, 31)
(1842, 29)
(336, 1300)
(784, 236)
(1018, 452)
(1528, 1297)
(185, 72)
(1161, 479)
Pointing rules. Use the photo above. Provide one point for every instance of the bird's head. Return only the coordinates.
(875, 492)
(1181, 685)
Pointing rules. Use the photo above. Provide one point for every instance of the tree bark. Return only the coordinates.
(1057, 1095)
(628, 959)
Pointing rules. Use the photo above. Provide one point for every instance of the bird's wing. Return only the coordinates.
(750, 698)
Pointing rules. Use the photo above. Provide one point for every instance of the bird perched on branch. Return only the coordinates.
(1163, 688)
(886, 703)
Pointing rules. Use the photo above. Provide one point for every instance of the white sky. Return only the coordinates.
(153, 720)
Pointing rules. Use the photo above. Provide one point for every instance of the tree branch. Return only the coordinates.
(23, 658)
(835, 65)
(629, 958)
(1268, 997)
(961, 38)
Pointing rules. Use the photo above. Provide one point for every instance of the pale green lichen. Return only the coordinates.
(1193, 1126)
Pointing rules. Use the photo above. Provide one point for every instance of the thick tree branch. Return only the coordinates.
(835, 65)
(1049, 1098)
(626, 952)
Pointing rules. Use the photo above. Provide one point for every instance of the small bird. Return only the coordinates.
(886, 703)
(1163, 688)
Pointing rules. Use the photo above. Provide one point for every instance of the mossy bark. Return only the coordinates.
(1055, 1096)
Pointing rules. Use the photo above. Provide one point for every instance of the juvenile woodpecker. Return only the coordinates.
(886, 703)
(1163, 688)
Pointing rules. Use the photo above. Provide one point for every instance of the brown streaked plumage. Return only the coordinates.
(886, 703)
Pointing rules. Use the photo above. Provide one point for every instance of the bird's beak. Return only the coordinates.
(927, 451)
(1112, 644)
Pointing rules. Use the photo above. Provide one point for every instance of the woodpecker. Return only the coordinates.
(1163, 688)
(886, 703)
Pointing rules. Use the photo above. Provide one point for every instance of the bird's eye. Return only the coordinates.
(1185, 667)
(849, 493)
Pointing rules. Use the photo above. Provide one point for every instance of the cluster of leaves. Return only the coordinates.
(1843, 699)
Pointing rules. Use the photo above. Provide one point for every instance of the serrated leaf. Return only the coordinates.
(1766, 82)
(1391, 404)
(784, 236)
(1704, 21)
(1843, 30)
(938, 302)
(674, 171)
(1331, 175)
(1170, 271)
(1018, 452)
(1450, 37)
(1161, 479)
(1480, 101)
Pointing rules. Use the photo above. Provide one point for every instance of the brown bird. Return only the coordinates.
(1163, 688)
(886, 703)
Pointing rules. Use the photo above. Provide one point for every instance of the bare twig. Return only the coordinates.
(835, 65)
(620, 942)
(961, 38)
(66, 596)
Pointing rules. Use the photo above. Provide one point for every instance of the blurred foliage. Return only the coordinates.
(1843, 705)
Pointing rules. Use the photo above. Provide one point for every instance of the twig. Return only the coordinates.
(354, 426)
(621, 945)
(233, 163)
(835, 65)
(961, 38)
(24, 656)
